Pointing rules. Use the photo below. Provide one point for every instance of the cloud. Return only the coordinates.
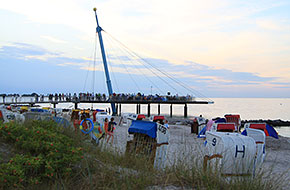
(141, 66)
(238, 35)
(78, 48)
(206, 79)
(98, 68)
(199, 71)
(196, 76)
(28, 52)
(43, 57)
(70, 64)
(67, 12)
(53, 39)
(21, 50)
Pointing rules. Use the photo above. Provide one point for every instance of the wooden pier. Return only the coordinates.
(118, 104)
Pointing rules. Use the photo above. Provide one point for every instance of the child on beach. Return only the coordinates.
(111, 127)
(106, 123)
(166, 124)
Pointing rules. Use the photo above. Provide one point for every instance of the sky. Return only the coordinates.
(210, 48)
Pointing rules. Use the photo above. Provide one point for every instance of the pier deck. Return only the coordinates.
(117, 102)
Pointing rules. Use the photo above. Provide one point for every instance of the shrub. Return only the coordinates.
(46, 153)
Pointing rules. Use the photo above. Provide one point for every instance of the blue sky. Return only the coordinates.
(219, 48)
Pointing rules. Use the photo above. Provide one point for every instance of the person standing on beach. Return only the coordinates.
(106, 123)
(166, 124)
(111, 127)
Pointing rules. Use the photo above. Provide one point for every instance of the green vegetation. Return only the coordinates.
(45, 153)
(51, 157)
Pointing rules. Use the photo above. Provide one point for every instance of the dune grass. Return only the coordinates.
(80, 164)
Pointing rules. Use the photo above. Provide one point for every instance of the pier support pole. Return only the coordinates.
(185, 110)
(76, 105)
(171, 110)
(158, 109)
(148, 110)
(120, 109)
(139, 109)
(117, 109)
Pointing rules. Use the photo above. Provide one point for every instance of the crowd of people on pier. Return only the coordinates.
(156, 97)
(77, 97)
(69, 97)
(116, 97)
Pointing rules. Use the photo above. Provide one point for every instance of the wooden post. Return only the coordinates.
(185, 110)
(76, 105)
(158, 109)
(148, 110)
(139, 109)
(120, 109)
(171, 110)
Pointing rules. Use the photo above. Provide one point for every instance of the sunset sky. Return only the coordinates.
(220, 48)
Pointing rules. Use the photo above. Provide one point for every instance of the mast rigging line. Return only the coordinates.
(124, 66)
(100, 79)
(94, 68)
(110, 42)
(108, 39)
(91, 57)
(164, 73)
(111, 67)
(134, 65)
(132, 54)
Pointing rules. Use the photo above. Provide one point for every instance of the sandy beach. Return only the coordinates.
(187, 147)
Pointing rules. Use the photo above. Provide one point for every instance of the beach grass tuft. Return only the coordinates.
(52, 157)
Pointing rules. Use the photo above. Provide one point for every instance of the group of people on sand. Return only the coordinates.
(109, 127)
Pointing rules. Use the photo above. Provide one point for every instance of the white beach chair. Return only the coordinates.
(260, 139)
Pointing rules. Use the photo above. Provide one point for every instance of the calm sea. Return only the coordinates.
(247, 108)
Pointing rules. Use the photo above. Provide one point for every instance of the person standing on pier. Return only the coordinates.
(3, 97)
(36, 97)
(55, 97)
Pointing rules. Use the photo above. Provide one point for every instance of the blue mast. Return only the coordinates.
(109, 84)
